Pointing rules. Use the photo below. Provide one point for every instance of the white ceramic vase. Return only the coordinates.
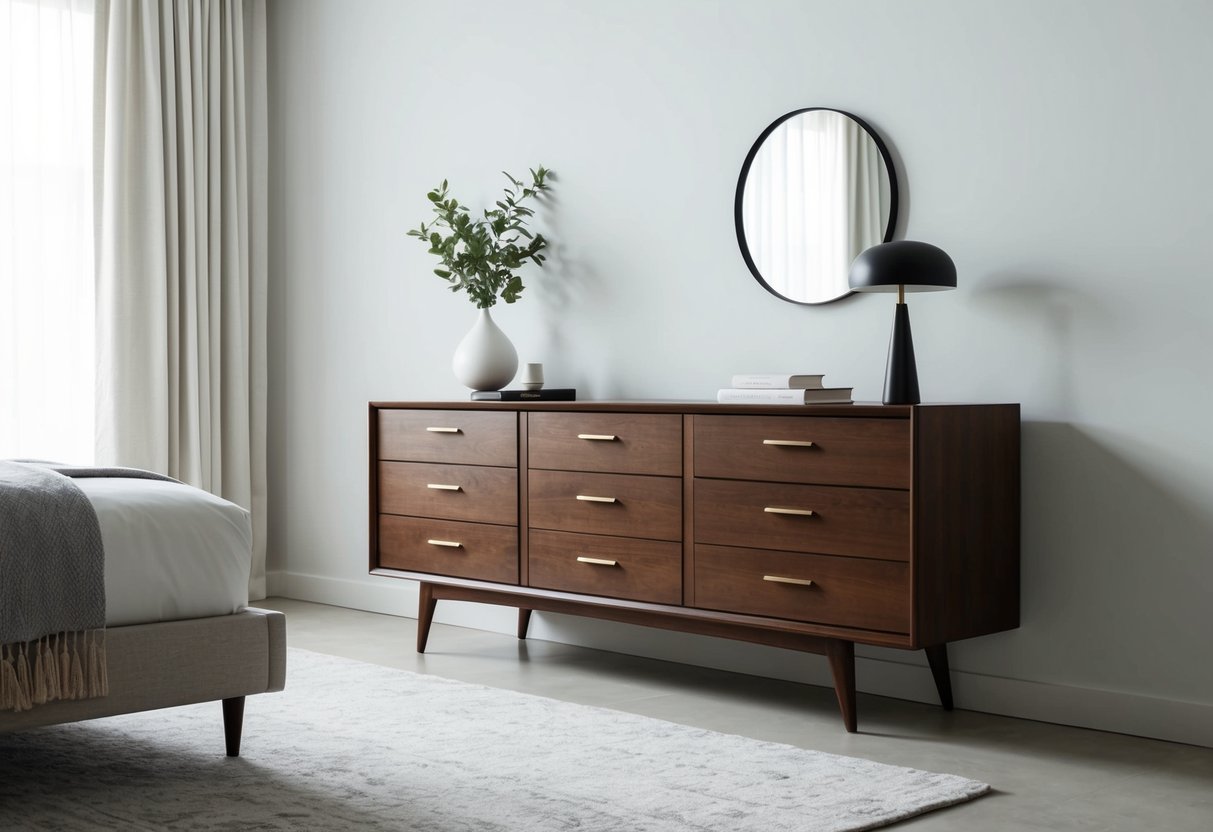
(485, 359)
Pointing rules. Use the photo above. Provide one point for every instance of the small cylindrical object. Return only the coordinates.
(532, 377)
(597, 561)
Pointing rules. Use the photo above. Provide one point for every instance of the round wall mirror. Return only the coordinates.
(816, 189)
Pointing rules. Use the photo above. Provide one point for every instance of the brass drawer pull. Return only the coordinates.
(598, 437)
(450, 544)
(437, 486)
(445, 430)
(779, 579)
(788, 443)
(799, 512)
(597, 561)
(587, 498)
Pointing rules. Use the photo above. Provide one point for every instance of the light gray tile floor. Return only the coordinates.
(1045, 776)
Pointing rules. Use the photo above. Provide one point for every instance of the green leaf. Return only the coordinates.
(481, 256)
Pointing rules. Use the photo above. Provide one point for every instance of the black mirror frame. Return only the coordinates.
(745, 171)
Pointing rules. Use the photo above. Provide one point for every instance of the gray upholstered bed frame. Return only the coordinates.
(174, 663)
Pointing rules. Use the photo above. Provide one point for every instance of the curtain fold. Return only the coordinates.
(867, 192)
(179, 181)
(46, 230)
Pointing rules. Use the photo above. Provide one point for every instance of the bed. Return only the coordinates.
(178, 629)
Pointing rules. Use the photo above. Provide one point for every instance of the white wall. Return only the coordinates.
(1059, 151)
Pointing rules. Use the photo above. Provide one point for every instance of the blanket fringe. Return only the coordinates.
(56, 667)
(50, 668)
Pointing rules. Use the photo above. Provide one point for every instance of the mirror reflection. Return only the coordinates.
(816, 189)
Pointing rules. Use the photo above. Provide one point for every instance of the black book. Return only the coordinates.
(544, 394)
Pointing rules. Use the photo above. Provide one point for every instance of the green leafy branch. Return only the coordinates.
(481, 256)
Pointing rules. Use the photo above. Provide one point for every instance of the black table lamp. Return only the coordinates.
(904, 266)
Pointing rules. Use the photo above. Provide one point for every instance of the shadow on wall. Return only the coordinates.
(1050, 307)
(571, 284)
(1115, 567)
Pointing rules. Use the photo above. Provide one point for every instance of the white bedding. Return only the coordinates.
(171, 551)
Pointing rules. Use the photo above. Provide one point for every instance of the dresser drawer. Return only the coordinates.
(618, 443)
(857, 451)
(844, 592)
(639, 570)
(444, 547)
(450, 492)
(859, 522)
(616, 504)
(459, 436)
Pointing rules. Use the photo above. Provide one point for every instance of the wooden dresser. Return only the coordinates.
(812, 528)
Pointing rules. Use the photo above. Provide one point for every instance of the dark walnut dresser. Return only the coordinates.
(811, 527)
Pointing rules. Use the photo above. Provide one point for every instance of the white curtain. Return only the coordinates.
(46, 230)
(866, 191)
(181, 233)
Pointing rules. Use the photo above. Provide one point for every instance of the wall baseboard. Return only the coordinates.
(1122, 713)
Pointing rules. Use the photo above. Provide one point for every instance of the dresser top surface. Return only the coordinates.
(856, 409)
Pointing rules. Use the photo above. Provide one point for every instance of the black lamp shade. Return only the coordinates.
(914, 267)
(918, 267)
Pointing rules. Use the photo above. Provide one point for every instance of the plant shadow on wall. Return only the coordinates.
(563, 333)
(482, 257)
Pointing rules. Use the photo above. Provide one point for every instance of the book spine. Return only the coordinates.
(552, 395)
(760, 396)
(774, 381)
(544, 396)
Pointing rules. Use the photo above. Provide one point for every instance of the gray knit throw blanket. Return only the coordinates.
(52, 587)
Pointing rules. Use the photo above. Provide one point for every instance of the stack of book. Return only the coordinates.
(782, 388)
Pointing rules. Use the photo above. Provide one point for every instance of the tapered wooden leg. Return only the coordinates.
(425, 615)
(524, 621)
(842, 664)
(937, 657)
(233, 724)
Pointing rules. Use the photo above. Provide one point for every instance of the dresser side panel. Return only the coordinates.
(966, 525)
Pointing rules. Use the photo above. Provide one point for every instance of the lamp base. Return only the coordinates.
(901, 373)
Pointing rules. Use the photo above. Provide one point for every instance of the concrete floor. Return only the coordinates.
(1044, 776)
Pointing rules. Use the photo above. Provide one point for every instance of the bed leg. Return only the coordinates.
(233, 724)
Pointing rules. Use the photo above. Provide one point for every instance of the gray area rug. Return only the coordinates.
(350, 745)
